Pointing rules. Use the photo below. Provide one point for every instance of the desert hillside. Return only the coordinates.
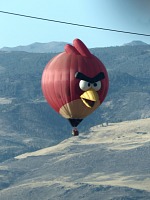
(109, 161)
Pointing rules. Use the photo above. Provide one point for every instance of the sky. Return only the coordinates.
(126, 15)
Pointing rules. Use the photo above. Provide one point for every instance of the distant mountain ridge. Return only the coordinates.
(37, 47)
(135, 43)
(53, 47)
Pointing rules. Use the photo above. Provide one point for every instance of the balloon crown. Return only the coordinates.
(78, 48)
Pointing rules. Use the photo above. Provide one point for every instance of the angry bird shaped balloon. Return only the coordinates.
(75, 82)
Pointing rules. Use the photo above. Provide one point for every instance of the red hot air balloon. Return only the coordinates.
(75, 83)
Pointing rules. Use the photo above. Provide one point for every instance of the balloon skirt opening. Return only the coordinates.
(75, 122)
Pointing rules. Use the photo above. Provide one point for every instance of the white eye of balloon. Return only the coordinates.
(84, 85)
(96, 86)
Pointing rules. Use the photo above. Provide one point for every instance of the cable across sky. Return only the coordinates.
(75, 24)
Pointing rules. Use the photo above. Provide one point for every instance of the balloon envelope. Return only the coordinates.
(75, 82)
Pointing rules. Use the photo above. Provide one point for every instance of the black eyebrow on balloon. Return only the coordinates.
(98, 77)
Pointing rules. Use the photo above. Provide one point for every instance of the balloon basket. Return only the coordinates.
(75, 132)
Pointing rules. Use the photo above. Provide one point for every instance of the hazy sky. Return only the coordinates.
(127, 15)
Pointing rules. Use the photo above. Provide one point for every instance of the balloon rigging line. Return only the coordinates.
(74, 24)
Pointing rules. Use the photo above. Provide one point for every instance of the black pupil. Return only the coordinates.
(89, 84)
(95, 84)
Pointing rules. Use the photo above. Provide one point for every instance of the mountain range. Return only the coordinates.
(29, 124)
(38, 47)
(135, 43)
(54, 47)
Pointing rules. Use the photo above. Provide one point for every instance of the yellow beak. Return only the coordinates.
(89, 98)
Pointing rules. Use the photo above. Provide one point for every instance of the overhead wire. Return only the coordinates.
(74, 24)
